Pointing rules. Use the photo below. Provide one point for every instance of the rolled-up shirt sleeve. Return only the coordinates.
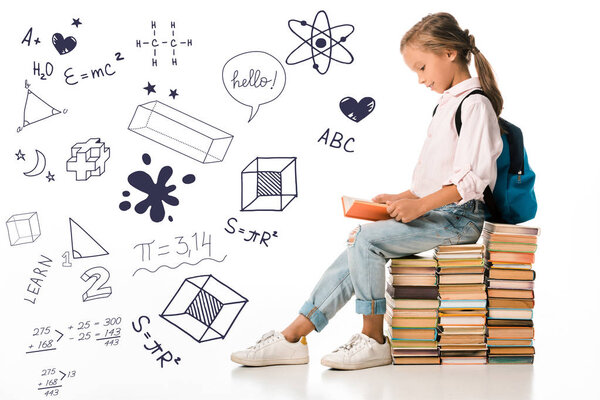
(478, 147)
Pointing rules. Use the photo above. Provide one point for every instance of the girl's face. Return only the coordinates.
(436, 71)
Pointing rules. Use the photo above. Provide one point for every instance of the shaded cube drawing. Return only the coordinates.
(204, 308)
(269, 184)
(23, 228)
(180, 132)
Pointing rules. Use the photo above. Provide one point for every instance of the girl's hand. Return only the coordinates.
(384, 198)
(404, 210)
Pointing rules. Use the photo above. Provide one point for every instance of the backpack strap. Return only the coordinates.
(457, 120)
(488, 197)
(457, 116)
(490, 203)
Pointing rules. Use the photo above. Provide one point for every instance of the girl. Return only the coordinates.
(443, 206)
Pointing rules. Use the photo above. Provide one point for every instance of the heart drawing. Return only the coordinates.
(63, 45)
(357, 111)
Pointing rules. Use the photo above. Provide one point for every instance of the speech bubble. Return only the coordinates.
(254, 78)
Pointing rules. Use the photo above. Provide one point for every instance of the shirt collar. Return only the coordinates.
(463, 86)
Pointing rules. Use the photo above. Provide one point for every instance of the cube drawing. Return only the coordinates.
(269, 184)
(23, 228)
(180, 132)
(204, 308)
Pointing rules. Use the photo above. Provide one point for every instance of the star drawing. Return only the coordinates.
(150, 88)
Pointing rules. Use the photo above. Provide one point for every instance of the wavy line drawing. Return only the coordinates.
(180, 264)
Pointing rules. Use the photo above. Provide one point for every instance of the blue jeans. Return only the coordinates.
(360, 269)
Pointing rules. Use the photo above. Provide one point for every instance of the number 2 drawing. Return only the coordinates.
(97, 290)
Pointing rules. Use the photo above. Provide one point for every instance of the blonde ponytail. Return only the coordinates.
(486, 76)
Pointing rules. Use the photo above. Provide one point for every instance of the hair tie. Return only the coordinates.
(471, 40)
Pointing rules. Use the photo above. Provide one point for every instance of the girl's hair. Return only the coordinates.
(440, 31)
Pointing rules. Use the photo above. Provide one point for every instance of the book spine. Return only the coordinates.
(495, 333)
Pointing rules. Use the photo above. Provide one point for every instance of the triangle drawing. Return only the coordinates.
(83, 244)
(36, 109)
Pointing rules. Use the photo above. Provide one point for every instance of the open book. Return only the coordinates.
(364, 209)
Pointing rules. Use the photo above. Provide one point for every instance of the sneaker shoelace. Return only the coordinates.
(265, 339)
(356, 342)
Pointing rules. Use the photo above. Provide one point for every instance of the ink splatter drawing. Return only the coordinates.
(157, 193)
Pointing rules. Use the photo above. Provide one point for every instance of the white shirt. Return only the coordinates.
(468, 160)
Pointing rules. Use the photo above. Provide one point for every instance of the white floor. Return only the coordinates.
(392, 382)
(555, 373)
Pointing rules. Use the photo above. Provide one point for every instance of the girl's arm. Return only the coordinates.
(446, 195)
(405, 210)
(383, 198)
(474, 166)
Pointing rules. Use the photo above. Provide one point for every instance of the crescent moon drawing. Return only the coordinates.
(40, 165)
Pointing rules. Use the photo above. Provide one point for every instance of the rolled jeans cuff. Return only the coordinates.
(370, 307)
(310, 311)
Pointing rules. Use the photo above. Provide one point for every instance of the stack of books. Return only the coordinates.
(509, 260)
(462, 309)
(412, 310)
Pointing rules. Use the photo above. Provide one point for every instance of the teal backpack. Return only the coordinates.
(513, 200)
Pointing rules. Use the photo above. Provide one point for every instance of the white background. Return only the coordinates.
(545, 58)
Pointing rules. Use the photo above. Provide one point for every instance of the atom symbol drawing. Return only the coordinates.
(321, 42)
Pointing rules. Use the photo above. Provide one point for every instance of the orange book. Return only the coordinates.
(512, 350)
(413, 270)
(496, 302)
(499, 256)
(512, 247)
(507, 237)
(416, 360)
(511, 293)
(464, 360)
(364, 209)
(461, 339)
(414, 333)
(461, 263)
(466, 287)
(461, 270)
(463, 296)
(510, 332)
(518, 274)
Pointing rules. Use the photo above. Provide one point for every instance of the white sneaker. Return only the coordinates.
(273, 349)
(359, 352)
